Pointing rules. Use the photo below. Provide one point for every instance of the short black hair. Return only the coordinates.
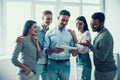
(64, 12)
(47, 12)
(82, 18)
(99, 15)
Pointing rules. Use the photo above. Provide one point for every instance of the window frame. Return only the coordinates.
(58, 6)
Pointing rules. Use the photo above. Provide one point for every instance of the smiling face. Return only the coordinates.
(47, 19)
(95, 25)
(33, 30)
(63, 20)
(79, 25)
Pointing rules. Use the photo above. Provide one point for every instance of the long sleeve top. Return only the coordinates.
(55, 38)
(41, 36)
(102, 49)
(82, 38)
(28, 54)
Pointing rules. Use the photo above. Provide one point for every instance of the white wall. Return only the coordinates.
(112, 11)
(7, 70)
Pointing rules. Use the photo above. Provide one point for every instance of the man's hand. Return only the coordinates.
(85, 43)
(74, 52)
(58, 50)
(54, 50)
(19, 39)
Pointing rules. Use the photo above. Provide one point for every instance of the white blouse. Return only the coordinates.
(82, 38)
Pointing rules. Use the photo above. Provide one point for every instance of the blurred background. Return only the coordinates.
(14, 13)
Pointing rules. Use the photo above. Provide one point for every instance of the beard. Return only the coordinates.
(97, 28)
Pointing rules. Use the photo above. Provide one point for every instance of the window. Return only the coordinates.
(91, 1)
(16, 12)
(71, 1)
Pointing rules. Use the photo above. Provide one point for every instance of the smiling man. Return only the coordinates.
(102, 48)
(59, 59)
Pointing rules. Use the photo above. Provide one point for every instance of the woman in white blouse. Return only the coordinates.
(83, 60)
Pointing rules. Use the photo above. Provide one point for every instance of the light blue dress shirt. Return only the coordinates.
(40, 35)
(55, 38)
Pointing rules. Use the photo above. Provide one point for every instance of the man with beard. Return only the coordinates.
(102, 48)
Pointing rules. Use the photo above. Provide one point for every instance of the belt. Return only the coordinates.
(60, 61)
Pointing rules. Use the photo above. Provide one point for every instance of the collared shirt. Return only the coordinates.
(41, 35)
(103, 51)
(55, 38)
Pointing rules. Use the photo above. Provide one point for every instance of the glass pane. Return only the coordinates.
(74, 11)
(87, 12)
(0, 29)
(46, 0)
(17, 14)
(39, 11)
(91, 1)
(1, 48)
(71, 0)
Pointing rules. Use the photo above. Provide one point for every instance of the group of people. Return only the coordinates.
(42, 56)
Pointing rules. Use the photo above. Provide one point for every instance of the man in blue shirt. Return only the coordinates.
(42, 29)
(102, 48)
(58, 59)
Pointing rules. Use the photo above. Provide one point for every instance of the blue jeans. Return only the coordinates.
(58, 71)
(84, 66)
(41, 70)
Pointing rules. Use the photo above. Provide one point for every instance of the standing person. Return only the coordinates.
(102, 48)
(28, 48)
(41, 67)
(83, 60)
(58, 60)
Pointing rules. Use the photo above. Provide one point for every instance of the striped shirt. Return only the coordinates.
(28, 54)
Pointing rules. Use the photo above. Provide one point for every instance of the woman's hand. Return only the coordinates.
(35, 39)
(27, 70)
(72, 32)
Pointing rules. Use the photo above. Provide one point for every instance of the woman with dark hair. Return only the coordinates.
(29, 48)
(83, 60)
